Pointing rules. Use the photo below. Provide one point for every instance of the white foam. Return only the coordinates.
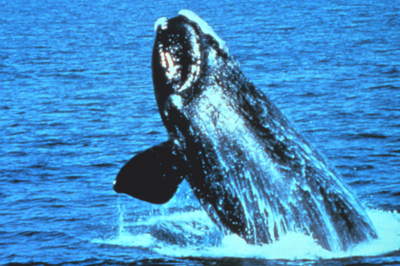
(293, 246)
(182, 217)
(129, 240)
(387, 225)
(197, 225)
(205, 28)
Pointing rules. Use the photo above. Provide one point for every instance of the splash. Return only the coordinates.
(192, 234)
(124, 236)
(296, 246)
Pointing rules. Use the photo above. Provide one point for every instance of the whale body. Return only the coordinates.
(253, 173)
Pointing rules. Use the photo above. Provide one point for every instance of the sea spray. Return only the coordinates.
(197, 238)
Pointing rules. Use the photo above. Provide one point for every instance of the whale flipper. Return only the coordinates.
(152, 175)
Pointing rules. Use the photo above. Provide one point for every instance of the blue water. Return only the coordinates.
(77, 102)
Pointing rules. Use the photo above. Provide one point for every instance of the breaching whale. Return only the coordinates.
(253, 173)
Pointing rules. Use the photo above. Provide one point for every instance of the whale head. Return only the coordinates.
(181, 55)
(176, 61)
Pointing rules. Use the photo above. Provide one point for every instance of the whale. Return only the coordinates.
(253, 173)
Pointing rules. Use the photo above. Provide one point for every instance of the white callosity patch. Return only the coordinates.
(205, 28)
(163, 22)
(177, 101)
(195, 54)
(169, 64)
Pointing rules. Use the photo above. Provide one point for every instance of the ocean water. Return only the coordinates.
(77, 102)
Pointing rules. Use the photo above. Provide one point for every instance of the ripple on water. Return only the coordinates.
(77, 102)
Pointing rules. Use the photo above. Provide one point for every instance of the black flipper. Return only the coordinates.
(152, 175)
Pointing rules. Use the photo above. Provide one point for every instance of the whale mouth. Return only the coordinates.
(178, 50)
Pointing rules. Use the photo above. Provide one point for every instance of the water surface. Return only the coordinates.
(77, 102)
